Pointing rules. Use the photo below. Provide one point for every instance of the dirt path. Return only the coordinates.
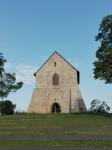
(56, 129)
(55, 148)
(49, 137)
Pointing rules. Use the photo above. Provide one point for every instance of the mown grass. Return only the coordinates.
(62, 132)
(53, 124)
(55, 120)
(57, 143)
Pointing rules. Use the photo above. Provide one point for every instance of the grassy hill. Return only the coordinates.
(78, 130)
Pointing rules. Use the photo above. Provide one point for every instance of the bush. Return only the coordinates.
(7, 107)
(99, 107)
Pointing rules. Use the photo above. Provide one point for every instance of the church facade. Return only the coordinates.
(57, 88)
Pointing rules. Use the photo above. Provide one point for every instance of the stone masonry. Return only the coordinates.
(56, 88)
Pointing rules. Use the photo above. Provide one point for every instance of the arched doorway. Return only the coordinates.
(56, 108)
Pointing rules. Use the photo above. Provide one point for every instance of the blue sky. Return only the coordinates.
(31, 30)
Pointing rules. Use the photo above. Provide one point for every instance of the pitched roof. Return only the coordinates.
(78, 73)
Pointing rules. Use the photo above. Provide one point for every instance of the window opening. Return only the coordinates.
(55, 79)
(55, 63)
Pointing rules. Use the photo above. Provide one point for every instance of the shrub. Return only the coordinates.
(99, 107)
(7, 107)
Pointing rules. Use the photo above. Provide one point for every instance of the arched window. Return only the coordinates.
(55, 63)
(55, 79)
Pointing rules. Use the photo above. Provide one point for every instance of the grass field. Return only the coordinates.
(78, 130)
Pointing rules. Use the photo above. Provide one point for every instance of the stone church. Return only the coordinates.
(56, 88)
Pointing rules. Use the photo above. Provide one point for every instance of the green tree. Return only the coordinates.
(103, 64)
(98, 106)
(7, 107)
(7, 80)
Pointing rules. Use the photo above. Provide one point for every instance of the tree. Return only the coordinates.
(7, 107)
(103, 64)
(7, 80)
(98, 106)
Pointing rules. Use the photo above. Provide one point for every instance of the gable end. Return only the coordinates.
(78, 73)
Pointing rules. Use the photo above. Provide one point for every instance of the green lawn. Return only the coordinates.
(55, 124)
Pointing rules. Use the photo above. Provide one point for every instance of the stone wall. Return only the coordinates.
(66, 94)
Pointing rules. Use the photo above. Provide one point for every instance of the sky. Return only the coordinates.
(31, 30)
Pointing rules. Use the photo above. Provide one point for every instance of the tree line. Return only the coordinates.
(8, 84)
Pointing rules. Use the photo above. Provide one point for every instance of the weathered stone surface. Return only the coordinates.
(66, 94)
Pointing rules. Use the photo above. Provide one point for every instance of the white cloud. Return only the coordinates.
(25, 73)
(8, 65)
